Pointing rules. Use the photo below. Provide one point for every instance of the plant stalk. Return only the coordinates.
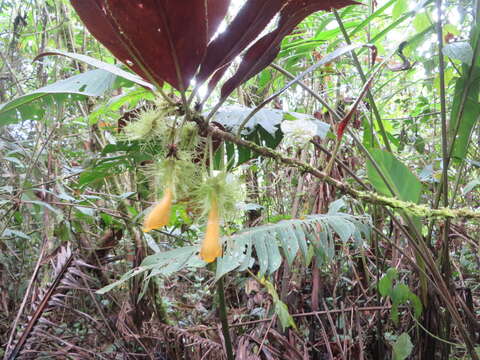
(360, 71)
(444, 256)
(224, 319)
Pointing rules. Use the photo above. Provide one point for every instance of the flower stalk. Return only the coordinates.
(224, 319)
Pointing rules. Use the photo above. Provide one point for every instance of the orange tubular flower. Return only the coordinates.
(160, 214)
(211, 248)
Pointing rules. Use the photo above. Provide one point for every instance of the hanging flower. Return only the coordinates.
(160, 214)
(211, 248)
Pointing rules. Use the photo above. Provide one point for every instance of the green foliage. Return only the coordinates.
(402, 348)
(103, 169)
(385, 285)
(264, 129)
(459, 51)
(35, 105)
(280, 308)
(405, 185)
(401, 6)
(112, 108)
(292, 236)
(399, 293)
(471, 185)
(466, 106)
(161, 264)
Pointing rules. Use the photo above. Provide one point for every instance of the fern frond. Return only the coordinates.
(293, 236)
(64, 261)
(68, 275)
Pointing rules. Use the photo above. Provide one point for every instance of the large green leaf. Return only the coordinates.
(265, 128)
(462, 51)
(465, 113)
(292, 237)
(405, 184)
(100, 65)
(466, 108)
(385, 285)
(34, 105)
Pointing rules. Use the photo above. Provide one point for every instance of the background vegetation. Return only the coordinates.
(364, 246)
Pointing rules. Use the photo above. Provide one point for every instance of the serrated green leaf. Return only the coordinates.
(392, 274)
(400, 293)
(399, 296)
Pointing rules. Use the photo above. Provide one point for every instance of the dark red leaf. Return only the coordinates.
(251, 20)
(161, 40)
(91, 13)
(264, 51)
(217, 9)
(216, 77)
(255, 58)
